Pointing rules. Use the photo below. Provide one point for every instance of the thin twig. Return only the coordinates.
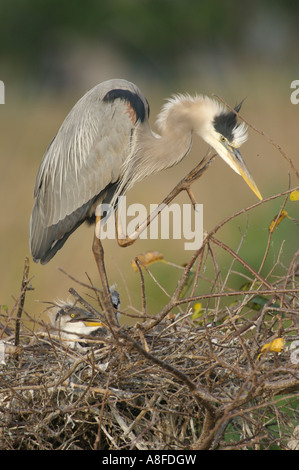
(143, 296)
(22, 301)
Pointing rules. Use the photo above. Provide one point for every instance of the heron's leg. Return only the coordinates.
(123, 240)
(183, 185)
(98, 252)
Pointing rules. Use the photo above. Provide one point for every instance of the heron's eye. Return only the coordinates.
(222, 139)
(72, 315)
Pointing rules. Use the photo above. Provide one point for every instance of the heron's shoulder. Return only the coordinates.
(117, 93)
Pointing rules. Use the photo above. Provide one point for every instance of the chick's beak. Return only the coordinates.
(238, 164)
(92, 322)
(88, 319)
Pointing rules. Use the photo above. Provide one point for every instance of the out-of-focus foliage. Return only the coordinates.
(294, 196)
(33, 31)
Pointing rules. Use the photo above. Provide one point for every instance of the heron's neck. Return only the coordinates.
(178, 119)
(152, 152)
(165, 150)
(172, 144)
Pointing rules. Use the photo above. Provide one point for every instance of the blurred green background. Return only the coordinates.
(52, 52)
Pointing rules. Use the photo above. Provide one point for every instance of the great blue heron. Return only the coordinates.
(72, 323)
(105, 145)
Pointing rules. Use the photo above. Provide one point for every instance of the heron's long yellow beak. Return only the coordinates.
(240, 167)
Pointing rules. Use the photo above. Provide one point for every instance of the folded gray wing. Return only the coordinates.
(81, 162)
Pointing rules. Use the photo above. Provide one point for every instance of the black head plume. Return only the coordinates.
(226, 122)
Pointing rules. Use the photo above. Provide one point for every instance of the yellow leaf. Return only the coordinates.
(146, 258)
(276, 345)
(197, 306)
(294, 196)
(276, 221)
(197, 311)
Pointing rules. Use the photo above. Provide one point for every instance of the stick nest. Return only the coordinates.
(181, 384)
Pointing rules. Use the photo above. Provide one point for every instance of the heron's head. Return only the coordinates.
(221, 130)
(75, 316)
(72, 324)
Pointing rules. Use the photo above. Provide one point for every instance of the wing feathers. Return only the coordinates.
(82, 160)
